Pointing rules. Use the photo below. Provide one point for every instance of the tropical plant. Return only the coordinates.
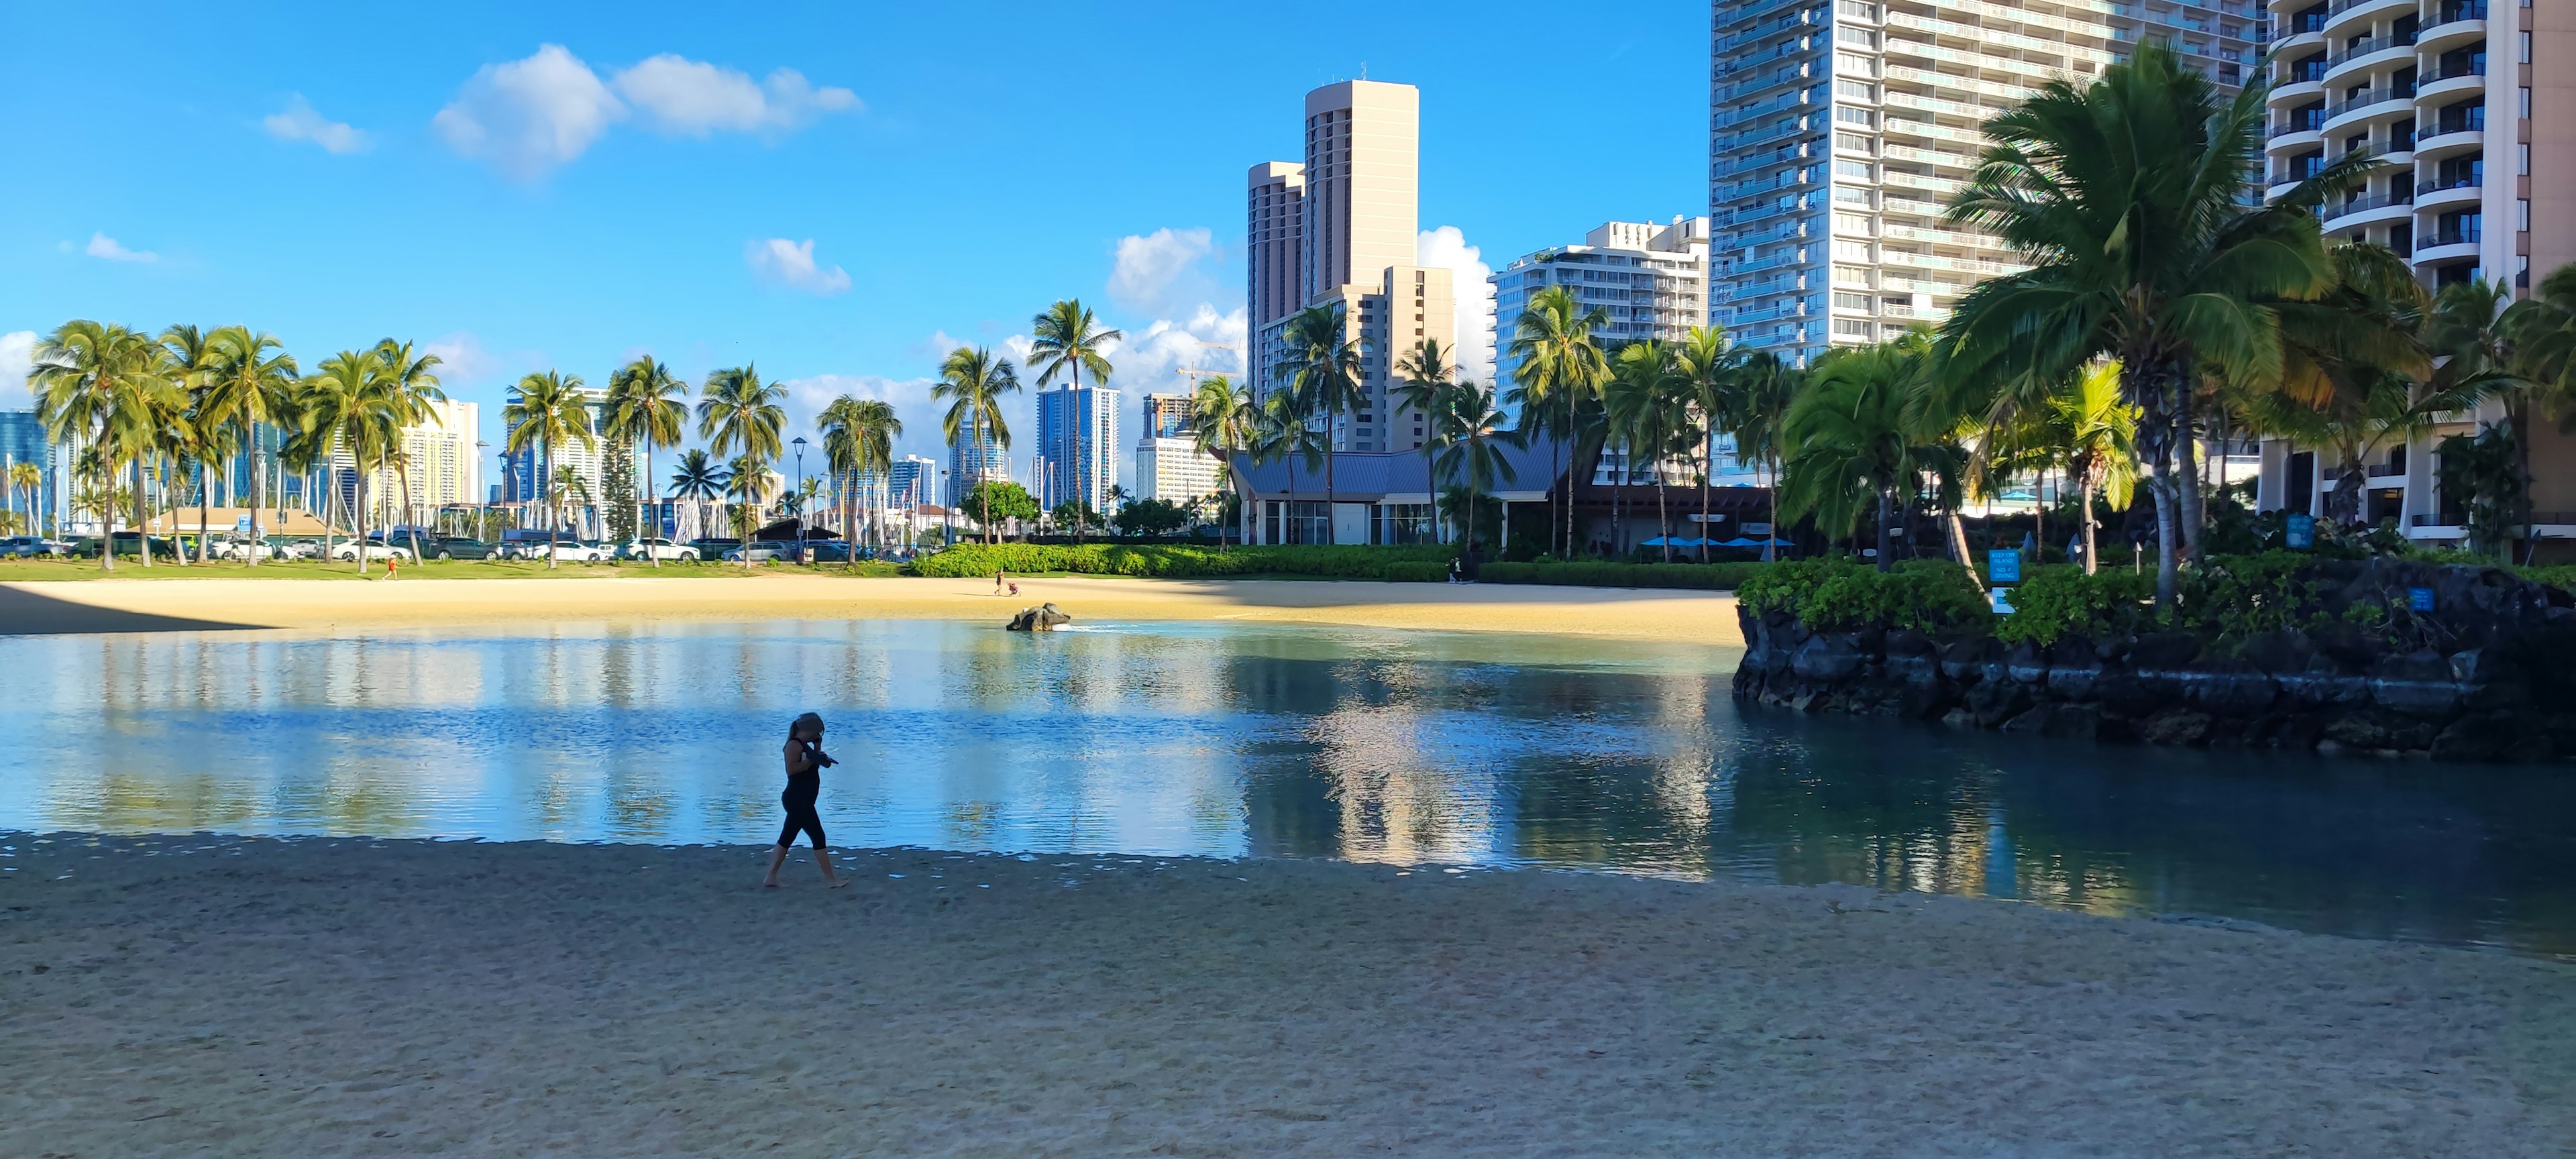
(411, 385)
(1284, 431)
(699, 479)
(349, 408)
(1852, 439)
(250, 386)
(1757, 404)
(1223, 422)
(547, 411)
(1320, 368)
(1424, 379)
(995, 501)
(858, 440)
(972, 383)
(101, 384)
(28, 478)
(2482, 474)
(188, 432)
(1709, 368)
(1647, 401)
(1558, 366)
(1466, 451)
(1065, 339)
(646, 406)
(2124, 195)
(740, 415)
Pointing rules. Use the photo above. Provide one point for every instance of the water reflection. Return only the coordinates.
(1247, 740)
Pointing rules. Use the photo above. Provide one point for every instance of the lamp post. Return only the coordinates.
(948, 514)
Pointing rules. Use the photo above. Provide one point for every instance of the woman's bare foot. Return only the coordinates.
(772, 883)
(844, 883)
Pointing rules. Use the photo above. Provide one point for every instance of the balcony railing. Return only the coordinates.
(2477, 69)
(2365, 48)
(2439, 184)
(2343, 6)
(2461, 237)
(2374, 201)
(2455, 12)
(2290, 176)
(2294, 127)
(2367, 99)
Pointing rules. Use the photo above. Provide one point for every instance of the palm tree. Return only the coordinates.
(1424, 379)
(1284, 431)
(411, 383)
(188, 434)
(646, 404)
(1223, 419)
(1758, 398)
(545, 412)
(251, 385)
(2123, 194)
(1852, 437)
(1065, 339)
(101, 383)
(1322, 371)
(1559, 366)
(972, 383)
(740, 415)
(858, 439)
(698, 478)
(29, 478)
(1467, 453)
(349, 407)
(1648, 400)
(1708, 367)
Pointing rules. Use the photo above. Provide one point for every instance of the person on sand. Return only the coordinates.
(806, 761)
(1000, 581)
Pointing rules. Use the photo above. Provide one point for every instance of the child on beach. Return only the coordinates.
(999, 582)
(806, 761)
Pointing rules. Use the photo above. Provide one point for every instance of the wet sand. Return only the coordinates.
(353, 997)
(113, 605)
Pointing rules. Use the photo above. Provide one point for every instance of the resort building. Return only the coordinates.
(972, 461)
(438, 460)
(1836, 134)
(2472, 103)
(2222, 37)
(22, 440)
(1355, 219)
(1648, 281)
(527, 475)
(1077, 456)
(1169, 464)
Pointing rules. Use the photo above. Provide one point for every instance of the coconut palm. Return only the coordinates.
(698, 478)
(411, 383)
(1647, 402)
(740, 415)
(1424, 377)
(1283, 430)
(1559, 366)
(349, 407)
(28, 478)
(646, 406)
(1065, 339)
(251, 385)
(1321, 368)
(2124, 195)
(1851, 438)
(858, 439)
(1468, 451)
(1757, 403)
(188, 434)
(101, 384)
(1709, 367)
(1222, 421)
(547, 411)
(972, 382)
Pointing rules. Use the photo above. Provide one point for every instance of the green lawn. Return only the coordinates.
(40, 570)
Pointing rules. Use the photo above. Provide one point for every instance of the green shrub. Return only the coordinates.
(2058, 601)
(1183, 561)
(2557, 575)
(1717, 577)
(1837, 593)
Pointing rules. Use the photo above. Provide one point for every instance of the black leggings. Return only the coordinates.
(799, 799)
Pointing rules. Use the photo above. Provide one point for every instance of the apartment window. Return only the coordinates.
(1851, 251)
(1846, 195)
(1856, 90)
(1861, 38)
(1852, 328)
(1854, 223)
(1858, 302)
(2522, 210)
(1850, 64)
(1846, 115)
(1856, 170)
(1854, 143)
(1854, 276)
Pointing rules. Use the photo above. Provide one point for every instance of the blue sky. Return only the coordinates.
(836, 193)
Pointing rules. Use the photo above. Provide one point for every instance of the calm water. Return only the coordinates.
(1261, 741)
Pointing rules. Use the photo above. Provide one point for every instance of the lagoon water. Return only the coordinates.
(1416, 748)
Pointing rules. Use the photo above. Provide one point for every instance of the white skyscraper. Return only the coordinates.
(1649, 281)
(1837, 133)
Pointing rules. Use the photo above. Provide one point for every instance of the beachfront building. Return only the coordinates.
(1339, 231)
(972, 461)
(1648, 281)
(22, 440)
(1836, 134)
(2222, 38)
(527, 475)
(1169, 464)
(2473, 105)
(438, 464)
(1077, 455)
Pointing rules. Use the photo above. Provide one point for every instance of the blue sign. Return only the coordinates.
(2301, 532)
(241, 523)
(2001, 598)
(2003, 565)
(2419, 599)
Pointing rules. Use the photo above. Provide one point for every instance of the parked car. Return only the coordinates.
(823, 551)
(375, 549)
(713, 547)
(33, 545)
(458, 547)
(759, 551)
(127, 543)
(661, 549)
(243, 547)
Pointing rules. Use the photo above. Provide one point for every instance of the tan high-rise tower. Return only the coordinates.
(1357, 221)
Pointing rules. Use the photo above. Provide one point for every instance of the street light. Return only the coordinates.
(948, 514)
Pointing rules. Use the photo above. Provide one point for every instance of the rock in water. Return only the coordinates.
(1042, 618)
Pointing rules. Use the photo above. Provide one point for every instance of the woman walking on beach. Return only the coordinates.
(806, 761)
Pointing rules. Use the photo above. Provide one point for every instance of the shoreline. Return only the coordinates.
(235, 994)
(217, 604)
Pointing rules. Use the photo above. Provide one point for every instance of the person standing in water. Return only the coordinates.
(806, 761)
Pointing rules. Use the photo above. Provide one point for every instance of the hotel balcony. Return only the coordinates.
(2442, 88)
(2443, 141)
(2342, 115)
(2446, 193)
(2443, 247)
(2453, 25)
(2353, 17)
(2371, 210)
(2345, 65)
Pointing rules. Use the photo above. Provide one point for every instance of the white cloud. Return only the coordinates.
(300, 122)
(1447, 248)
(806, 397)
(1158, 273)
(17, 357)
(463, 360)
(694, 98)
(103, 246)
(527, 116)
(791, 264)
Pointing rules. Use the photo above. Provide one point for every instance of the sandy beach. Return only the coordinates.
(352, 997)
(118, 605)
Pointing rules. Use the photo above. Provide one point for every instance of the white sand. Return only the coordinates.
(113, 605)
(243, 997)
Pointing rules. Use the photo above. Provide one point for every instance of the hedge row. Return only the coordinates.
(1837, 593)
(1717, 577)
(1181, 561)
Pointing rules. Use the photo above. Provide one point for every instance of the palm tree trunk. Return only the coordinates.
(1568, 472)
(1771, 538)
(1707, 467)
(411, 517)
(205, 505)
(258, 494)
(1958, 529)
(2039, 518)
(2084, 490)
(2187, 450)
(142, 523)
(2517, 415)
(1885, 547)
(1663, 515)
(358, 516)
(1331, 534)
(650, 512)
(545, 455)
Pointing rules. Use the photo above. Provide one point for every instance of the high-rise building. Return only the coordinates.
(1077, 446)
(528, 474)
(1169, 464)
(1836, 134)
(1649, 281)
(1275, 207)
(2437, 88)
(438, 459)
(1357, 216)
(22, 440)
(972, 461)
(2223, 38)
